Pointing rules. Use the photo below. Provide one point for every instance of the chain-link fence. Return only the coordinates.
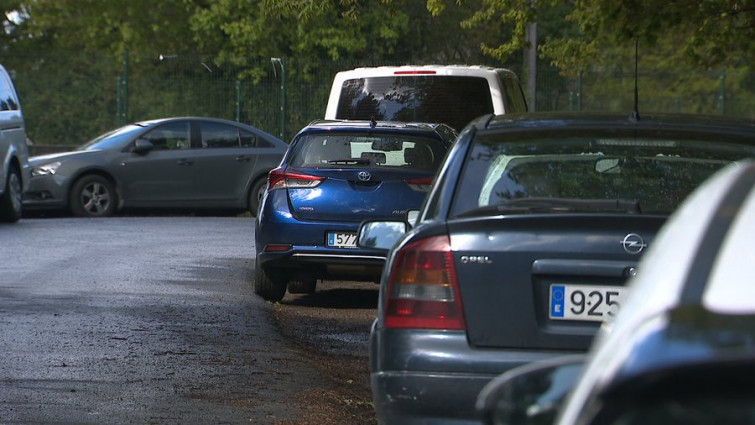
(70, 97)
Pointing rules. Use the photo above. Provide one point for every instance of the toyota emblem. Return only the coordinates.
(364, 176)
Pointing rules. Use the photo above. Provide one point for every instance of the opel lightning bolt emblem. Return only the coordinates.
(364, 176)
(633, 243)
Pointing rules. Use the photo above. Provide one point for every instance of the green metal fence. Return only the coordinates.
(70, 97)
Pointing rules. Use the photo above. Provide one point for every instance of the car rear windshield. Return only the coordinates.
(453, 100)
(601, 173)
(374, 150)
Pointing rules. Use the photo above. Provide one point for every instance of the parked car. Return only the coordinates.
(14, 153)
(334, 175)
(185, 162)
(451, 94)
(682, 350)
(523, 248)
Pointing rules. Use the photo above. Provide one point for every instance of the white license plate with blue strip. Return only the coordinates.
(585, 302)
(342, 239)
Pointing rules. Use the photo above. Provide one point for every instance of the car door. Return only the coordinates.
(164, 175)
(225, 163)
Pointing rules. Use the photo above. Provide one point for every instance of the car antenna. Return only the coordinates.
(636, 110)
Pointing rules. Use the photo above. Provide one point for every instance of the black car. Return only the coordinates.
(524, 245)
(682, 351)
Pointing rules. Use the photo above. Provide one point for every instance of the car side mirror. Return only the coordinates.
(380, 234)
(412, 217)
(530, 394)
(142, 146)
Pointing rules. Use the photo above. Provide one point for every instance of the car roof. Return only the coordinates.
(157, 121)
(167, 119)
(692, 301)
(424, 70)
(339, 125)
(596, 120)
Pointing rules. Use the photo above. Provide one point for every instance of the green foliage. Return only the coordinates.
(113, 26)
(213, 58)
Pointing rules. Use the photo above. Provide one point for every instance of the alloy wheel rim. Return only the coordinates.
(95, 198)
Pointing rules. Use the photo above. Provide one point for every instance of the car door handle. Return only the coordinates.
(185, 162)
(243, 158)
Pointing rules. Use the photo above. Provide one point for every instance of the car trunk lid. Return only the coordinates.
(355, 194)
(514, 272)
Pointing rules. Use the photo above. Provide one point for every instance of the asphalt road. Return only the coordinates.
(141, 320)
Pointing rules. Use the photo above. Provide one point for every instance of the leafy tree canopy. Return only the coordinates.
(703, 32)
(572, 32)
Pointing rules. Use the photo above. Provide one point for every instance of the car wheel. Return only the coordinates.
(11, 206)
(270, 286)
(92, 196)
(255, 196)
(302, 286)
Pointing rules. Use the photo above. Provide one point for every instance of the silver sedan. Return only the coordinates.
(198, 163)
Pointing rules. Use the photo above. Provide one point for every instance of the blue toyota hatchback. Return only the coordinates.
(335, 175)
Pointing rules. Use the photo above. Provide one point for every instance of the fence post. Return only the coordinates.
(579, 92)
(118, 101)
(283, 100)
(124, 90)
(722, 92)
(238, 101)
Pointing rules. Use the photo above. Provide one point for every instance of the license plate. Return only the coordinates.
(585, 302)
(342, 239)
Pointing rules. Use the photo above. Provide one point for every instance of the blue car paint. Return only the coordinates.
(298, 220)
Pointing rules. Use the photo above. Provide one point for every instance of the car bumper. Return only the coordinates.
(326, 263)
(295, 246)
(45, 192)
(420, 377)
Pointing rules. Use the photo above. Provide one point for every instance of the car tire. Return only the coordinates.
(302, 286)
(270, 286)
(255, 195)
(92, 196)
(11, 203)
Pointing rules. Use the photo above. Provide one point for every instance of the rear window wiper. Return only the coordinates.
(346, 161)
(534, 205)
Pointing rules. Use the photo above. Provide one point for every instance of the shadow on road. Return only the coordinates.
(345, 298)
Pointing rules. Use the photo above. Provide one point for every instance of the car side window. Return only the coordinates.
(8, 100)
(514, 97)
(215, 135)
(174, 135)
(249, 140)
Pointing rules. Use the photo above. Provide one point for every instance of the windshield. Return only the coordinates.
(374, 150)
(608, 173)
(454, 100)
(112, 139)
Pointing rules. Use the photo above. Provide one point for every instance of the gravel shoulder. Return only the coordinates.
(332, 326)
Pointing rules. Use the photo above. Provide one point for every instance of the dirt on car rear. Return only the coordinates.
(332, 327)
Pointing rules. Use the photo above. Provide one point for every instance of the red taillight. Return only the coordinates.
(423, 291)
(280, 179)
(277, 247)
(420, 184)
(415, 72)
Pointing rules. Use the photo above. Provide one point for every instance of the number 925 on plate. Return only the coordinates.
(585, 302)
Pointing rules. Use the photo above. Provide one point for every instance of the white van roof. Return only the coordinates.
(422, 69)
